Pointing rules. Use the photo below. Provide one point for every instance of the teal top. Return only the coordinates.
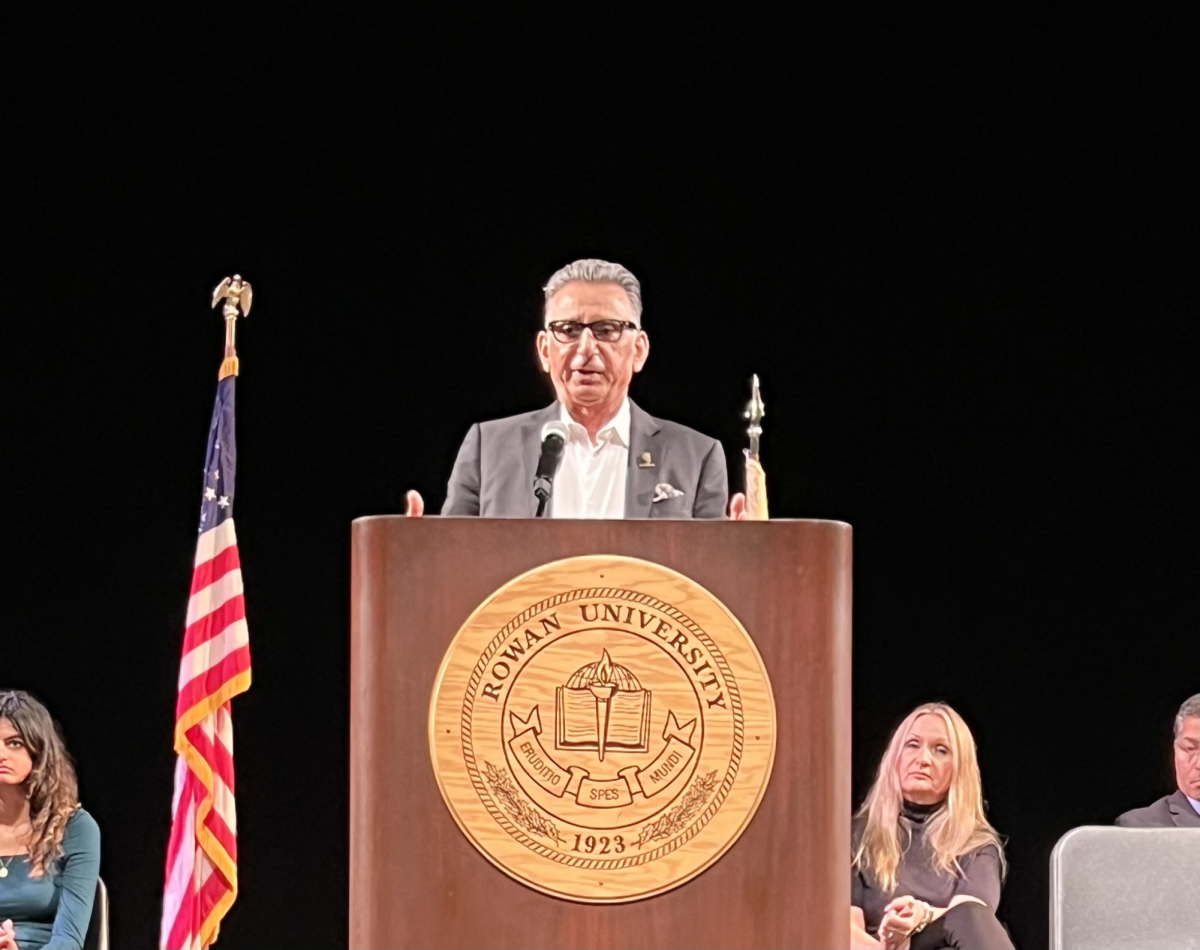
(53, 910)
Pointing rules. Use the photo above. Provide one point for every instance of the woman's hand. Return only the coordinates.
(900, 918)
(859, 938)
(8, 936)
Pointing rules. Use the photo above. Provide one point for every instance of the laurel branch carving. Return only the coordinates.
(521, 812)
(679, 816)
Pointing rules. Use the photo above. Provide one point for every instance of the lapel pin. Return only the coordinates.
(645, 461)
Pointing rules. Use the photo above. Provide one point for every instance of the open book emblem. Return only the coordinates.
(602, 707)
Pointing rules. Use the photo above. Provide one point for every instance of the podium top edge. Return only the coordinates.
(363, 519)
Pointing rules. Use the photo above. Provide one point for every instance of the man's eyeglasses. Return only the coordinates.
(604, 331)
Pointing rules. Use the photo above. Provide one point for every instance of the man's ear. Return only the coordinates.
(641, 351)
(543, 350)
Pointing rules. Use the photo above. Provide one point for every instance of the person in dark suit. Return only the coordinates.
(685, 477)
(618, 461)
(1180, 809)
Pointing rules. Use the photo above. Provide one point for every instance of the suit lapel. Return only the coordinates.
(1182, 813)
(531, 451)
(640, 481)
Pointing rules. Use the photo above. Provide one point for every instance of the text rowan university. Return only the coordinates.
(635, 619)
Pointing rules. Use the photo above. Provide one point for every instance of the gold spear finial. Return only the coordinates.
(236, 293)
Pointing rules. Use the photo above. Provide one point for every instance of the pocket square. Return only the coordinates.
(665, 490)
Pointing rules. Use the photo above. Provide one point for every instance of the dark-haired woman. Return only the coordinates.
(927, 866)
(49, 846)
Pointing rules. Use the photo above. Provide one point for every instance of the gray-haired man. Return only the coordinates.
(618, 461)
(1181, 808)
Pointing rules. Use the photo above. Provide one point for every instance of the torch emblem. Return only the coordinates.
(602, 706)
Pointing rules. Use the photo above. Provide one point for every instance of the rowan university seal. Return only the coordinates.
(602, 729)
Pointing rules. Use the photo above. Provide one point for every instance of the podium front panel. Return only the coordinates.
(415, 877)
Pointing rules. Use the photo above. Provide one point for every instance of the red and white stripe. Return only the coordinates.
(201, 875)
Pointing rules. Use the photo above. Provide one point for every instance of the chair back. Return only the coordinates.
(1118, 888)
(96, 937)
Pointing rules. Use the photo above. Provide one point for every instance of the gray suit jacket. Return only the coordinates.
(1172, 811)
(493, 474)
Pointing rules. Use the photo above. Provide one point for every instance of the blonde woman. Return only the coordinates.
(927, 865)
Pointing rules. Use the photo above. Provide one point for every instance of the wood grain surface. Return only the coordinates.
(584, 822)
(415, 878)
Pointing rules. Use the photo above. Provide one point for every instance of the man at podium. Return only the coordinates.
(593, 453)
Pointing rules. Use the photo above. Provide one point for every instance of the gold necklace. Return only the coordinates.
(4, 866)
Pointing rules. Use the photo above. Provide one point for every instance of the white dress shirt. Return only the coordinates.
(591, 479)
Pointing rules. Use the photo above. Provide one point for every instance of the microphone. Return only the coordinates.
(554, 437)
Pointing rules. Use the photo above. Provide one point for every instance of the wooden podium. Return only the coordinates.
(417, 881)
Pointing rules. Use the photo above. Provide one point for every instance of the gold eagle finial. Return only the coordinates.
(236, 293)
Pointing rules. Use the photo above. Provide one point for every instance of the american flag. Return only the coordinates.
(201, 875)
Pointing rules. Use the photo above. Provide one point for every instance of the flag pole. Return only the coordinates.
(200, 882)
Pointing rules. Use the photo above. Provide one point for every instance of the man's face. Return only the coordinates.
(590, 376)
(1187, 763)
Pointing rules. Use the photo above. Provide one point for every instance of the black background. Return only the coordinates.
(953, 249)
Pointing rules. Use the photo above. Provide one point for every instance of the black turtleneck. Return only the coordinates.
(918, 813)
